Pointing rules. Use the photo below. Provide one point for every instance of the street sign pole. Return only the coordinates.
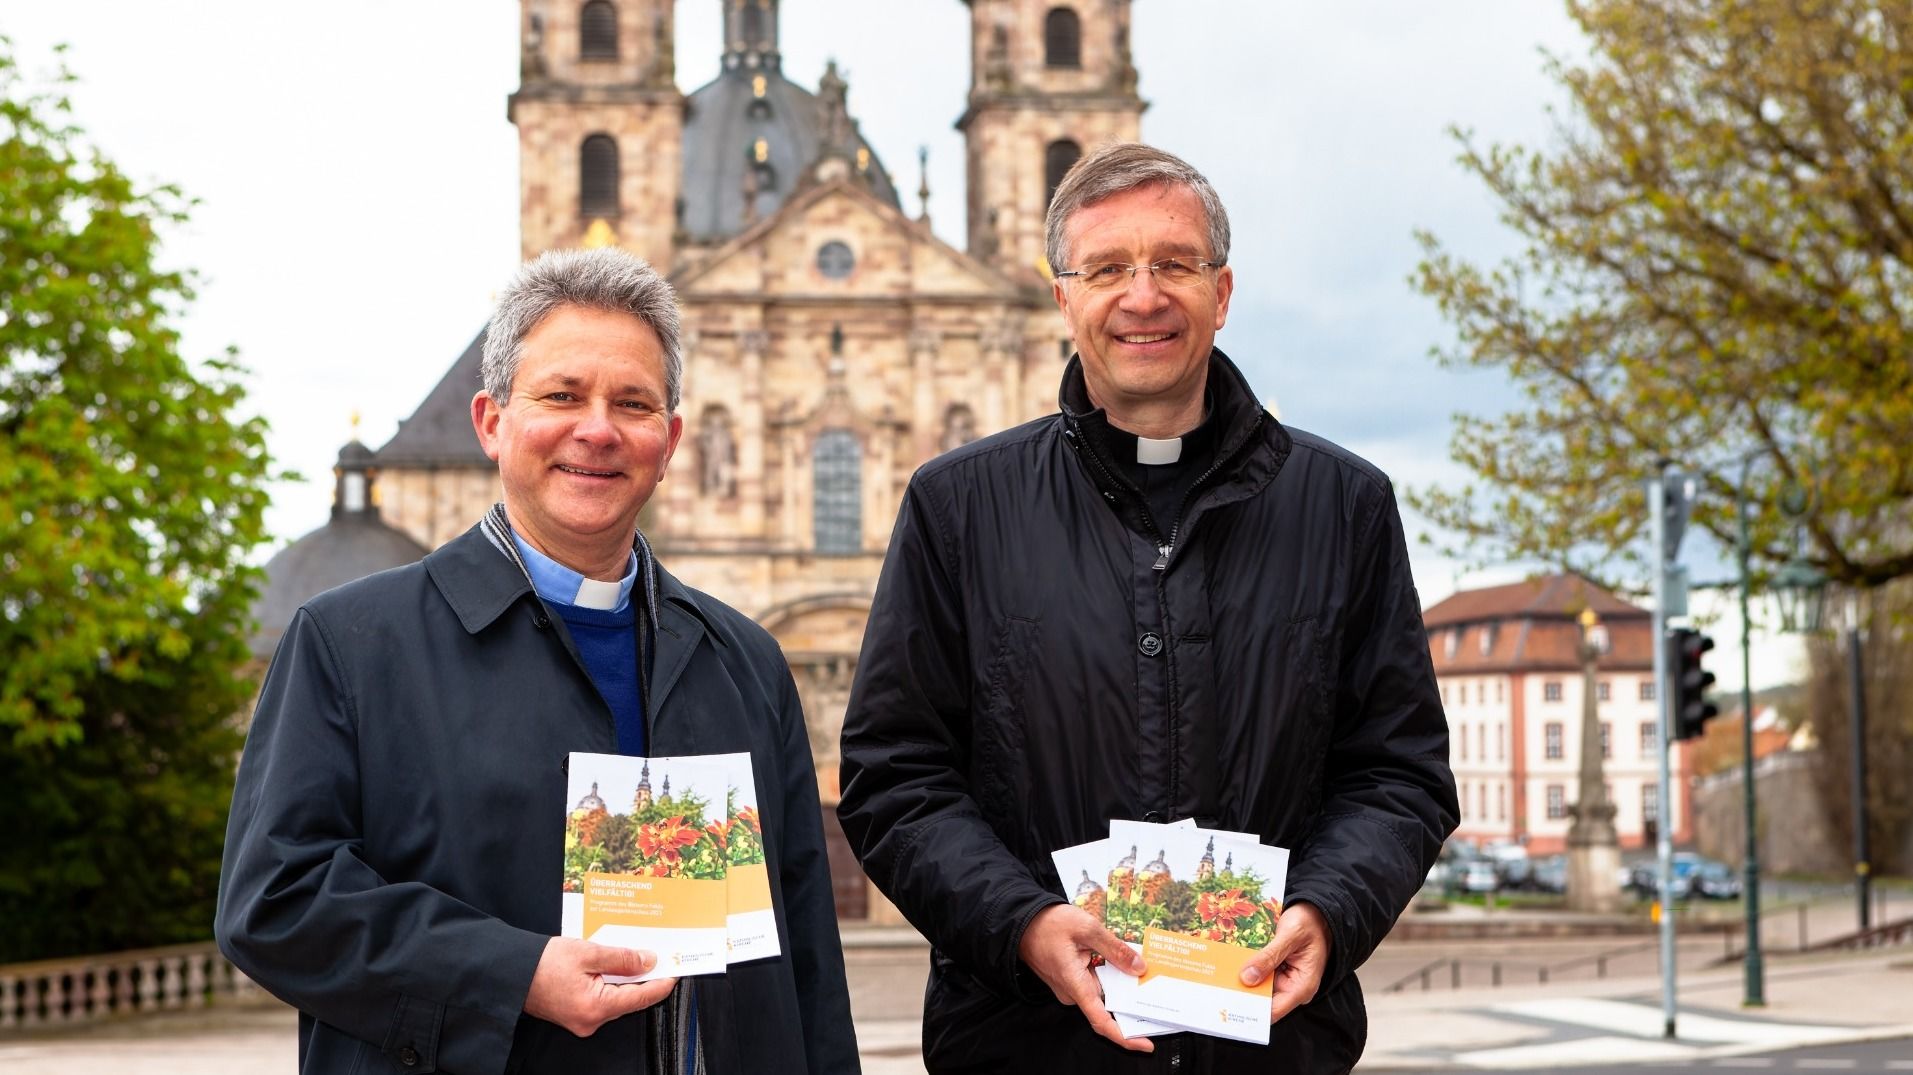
(1664, 815)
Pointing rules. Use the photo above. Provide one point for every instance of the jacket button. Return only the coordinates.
(408, 1056)
(1150, 643)
(541, 621)
(1153, 817)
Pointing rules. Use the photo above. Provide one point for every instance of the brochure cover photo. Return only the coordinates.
(646, 859)
(751, 921)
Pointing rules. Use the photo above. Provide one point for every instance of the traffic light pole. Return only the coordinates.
(1664, 821)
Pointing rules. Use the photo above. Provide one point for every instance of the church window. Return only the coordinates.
(835, 260)
(598, 177)
(1057, 160)
(1063, 38)
(837, 492)
(598, 31)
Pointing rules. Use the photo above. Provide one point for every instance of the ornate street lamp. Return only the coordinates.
(1594, 854)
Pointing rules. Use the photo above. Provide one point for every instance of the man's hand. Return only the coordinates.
(1297, 956)
(1057, 946)
(569, 989)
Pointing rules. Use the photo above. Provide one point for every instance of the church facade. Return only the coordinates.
(832, 343)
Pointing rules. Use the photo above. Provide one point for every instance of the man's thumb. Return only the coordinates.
(626, 962)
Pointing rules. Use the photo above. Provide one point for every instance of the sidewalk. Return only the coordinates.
(1810, 1001)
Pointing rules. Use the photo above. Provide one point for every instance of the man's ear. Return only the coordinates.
(671, 446)
(485, 415)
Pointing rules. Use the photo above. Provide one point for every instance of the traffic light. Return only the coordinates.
(1692, 710)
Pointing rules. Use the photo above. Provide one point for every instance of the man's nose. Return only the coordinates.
(595, 425)
(1144, 294)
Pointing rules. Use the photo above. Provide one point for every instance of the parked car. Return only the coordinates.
(1712, 880)
(1549, 874)
(1479, 877)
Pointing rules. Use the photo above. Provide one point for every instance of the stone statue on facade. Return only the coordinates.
(716, 455)
(959, 427)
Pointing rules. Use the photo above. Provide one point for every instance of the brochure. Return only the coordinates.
(1087, 877)
(1201, 907)
(751, 920)
(645, 859)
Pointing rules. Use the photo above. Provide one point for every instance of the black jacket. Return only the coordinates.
(394, 858)
(1029, 674)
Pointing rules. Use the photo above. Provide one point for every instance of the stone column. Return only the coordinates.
(753, 347)
(1594, 848)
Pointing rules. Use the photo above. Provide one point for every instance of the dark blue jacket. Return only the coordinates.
(394, 858)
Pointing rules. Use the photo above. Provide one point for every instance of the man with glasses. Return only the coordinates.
(1158, 604)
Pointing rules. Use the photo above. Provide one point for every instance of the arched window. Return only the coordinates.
(1063, 38)
(837, 492)
(598, 177)
(1056, 164)
(598, 31)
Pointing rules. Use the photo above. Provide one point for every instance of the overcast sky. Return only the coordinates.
(359, 199)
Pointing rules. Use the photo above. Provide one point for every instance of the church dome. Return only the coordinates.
(751, 131)
(353, 544)
(591, 803)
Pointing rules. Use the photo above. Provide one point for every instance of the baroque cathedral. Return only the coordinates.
(832, 342)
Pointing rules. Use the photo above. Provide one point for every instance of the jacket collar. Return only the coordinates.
(480, 581)
(1251, 445)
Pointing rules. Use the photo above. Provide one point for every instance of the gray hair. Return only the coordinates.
(1120, 167)
(604, 279)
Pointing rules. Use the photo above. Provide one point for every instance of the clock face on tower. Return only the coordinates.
(835, 260)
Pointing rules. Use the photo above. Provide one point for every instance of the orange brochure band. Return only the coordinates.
(1199, 960)
(750, 888)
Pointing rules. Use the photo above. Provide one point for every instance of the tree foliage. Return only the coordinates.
(130, 495)
(1718, 261)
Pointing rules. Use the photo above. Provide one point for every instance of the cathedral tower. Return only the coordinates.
(600, 121)
(1049, 80)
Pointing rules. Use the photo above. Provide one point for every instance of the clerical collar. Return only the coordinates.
(1126, 447)
(561, 585)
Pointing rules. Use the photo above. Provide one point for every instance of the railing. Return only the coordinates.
(86, 988)
(1500, 970)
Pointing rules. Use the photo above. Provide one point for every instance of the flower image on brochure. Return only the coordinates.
(646, 860)
(1201, 904)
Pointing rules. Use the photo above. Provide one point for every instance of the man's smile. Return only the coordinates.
(586, 471)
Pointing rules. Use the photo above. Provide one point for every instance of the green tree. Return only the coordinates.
(1718, 260)
(129, 498)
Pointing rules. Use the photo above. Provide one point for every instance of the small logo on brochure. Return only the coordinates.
(1225, 1016)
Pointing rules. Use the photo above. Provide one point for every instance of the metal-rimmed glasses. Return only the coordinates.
(1171, 273)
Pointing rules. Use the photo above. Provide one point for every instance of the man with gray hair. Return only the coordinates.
(1158, 604)
(394, 857)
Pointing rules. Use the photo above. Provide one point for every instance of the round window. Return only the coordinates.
(835, 260)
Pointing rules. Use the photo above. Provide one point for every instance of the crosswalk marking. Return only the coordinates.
(1596, 1050)
(1641, 1021)
(1744, 1062)
(1823, 1065)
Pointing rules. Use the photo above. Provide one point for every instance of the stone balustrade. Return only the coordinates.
(84, 988)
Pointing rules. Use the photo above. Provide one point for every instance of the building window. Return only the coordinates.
(1448, 643)
(835, 260)
(1607, 740)
(1650, 803)
(1551, 691)
(1650, 738)
(1557, 802)
(1501, 742)
(598, 177)
(1601, 691)
(1501, 802)
(1057, 160)
(1500, 694)
(1647, 690)
(598, 31)
(1464, 742)
(837, 504)
(1551, 740)
(1063, 38)
(1481, 801)
(1487, 639)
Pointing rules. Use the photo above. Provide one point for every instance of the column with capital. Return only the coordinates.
(753, 346)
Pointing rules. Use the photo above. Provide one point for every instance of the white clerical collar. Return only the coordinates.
(557, 583)
(1157, 453)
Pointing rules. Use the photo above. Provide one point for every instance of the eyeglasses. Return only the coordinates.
(1170, 273)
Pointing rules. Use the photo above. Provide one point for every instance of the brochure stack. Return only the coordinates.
(1198, 904)
(667, 855)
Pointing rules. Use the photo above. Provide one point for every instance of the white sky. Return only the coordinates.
(359, 198)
